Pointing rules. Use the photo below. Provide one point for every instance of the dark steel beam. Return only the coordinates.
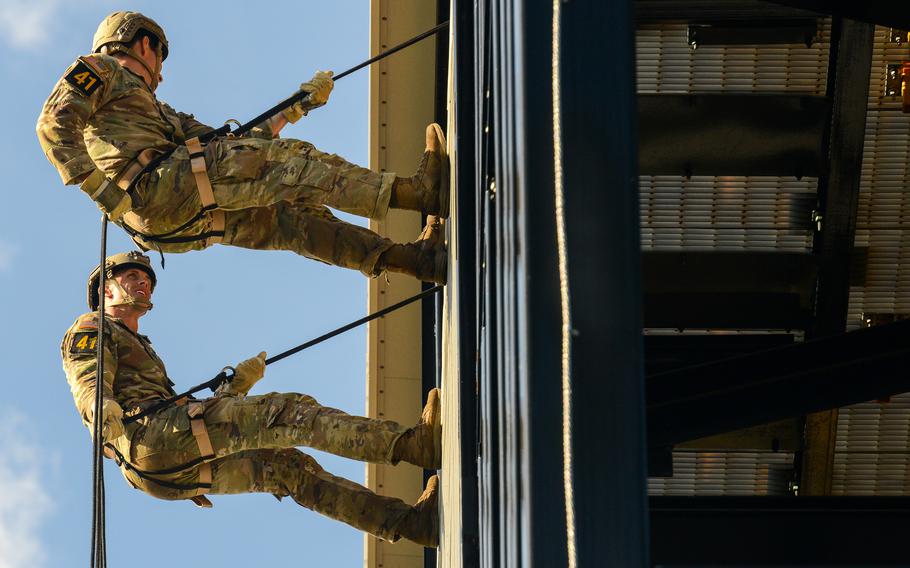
(784, 382)
(600, 173)
(648, 11)
(731, 290)
(731, 134)
(752, 32)
(838, 192)
(669, 352)
(779, 531)
(879, 12)
(758, 310)
(729, 272)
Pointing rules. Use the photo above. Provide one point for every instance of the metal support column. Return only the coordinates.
(600, 165)
(838, 197)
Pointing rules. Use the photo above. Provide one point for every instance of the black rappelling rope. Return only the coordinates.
(99, 548)
(301, 95)
(223, 376)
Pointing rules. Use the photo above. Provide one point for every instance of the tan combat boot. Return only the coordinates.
(425, 259)
(422, 444)
(421, 525)
(427, 190)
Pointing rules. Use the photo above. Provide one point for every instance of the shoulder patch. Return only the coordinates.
(84, 342)
(84, 78)
(87, 322)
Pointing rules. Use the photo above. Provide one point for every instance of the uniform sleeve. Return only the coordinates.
(79, 363)
(261, 130)
(65, 114)
(192, 127)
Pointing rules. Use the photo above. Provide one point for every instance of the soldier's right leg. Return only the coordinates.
(250, 172)
(288, 420)
(293, 473)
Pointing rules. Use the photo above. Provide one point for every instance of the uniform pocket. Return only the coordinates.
(244, 160)
(308, 173)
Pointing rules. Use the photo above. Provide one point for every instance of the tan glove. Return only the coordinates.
(319, 88)
(246, 374)
(111, 420)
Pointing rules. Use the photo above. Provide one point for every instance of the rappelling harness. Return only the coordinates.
(195, 411)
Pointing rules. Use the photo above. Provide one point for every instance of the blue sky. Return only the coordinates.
(213, 308)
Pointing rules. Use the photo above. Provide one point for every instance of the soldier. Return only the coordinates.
(234, 443)
(103, 128)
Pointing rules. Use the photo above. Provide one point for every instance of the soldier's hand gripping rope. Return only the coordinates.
(229, 374)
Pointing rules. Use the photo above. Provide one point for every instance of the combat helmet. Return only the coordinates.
(121, 27)
(132, 259)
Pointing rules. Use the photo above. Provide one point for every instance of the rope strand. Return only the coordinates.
(99, 545)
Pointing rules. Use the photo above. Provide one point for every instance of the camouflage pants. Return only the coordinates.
(274, 194)
(254, 440)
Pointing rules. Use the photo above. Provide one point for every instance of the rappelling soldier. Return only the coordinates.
(103, 128)
(233, 443)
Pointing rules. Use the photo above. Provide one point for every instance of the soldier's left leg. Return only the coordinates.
(295, 474)
(315, 233)
(309, 231)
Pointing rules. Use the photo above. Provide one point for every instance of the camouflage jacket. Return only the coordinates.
(101, 114)
(133, 373)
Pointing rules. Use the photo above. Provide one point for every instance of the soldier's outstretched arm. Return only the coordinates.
(191, 127)
(78, 351)
(75, 98)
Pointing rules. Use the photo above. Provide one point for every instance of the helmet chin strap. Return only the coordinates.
(154, 76)
(127, 299)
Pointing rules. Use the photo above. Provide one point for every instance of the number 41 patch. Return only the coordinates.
(84, 78)
(84, 342)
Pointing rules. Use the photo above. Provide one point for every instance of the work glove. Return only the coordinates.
(111, 420)
(246, 374)
(319, 88)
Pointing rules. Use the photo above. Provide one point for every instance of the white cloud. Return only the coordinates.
(8, 252)
(24, 503)
(26, 24)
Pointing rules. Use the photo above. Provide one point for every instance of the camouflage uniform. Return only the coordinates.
(253, 437)
(274, 192)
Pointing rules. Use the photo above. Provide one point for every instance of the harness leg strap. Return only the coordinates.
(206, 194)
(195, 410)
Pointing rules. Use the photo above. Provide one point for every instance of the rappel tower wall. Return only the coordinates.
(402, 91)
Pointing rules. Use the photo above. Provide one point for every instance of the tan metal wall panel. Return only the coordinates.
(667, 64)
(401, 105)
(723, 213)
(701, 473)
